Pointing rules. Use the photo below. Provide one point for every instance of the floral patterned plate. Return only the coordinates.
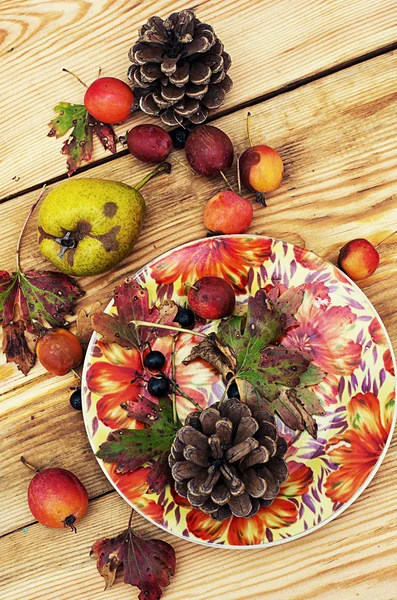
(340, 329)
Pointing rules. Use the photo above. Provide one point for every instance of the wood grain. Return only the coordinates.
(352, 557)
(273, 45)
(340, 183)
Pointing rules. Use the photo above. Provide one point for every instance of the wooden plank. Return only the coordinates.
(272, 43)
(340, 183)
(354, 556)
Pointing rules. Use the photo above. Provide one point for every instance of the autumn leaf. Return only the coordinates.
(79, 145)
(148, 564)
(84, 328)
(28, 302)
(132, 448)
(132, 304)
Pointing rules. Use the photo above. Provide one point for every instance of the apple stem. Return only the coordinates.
(164, 167)
(190, 286)
(226, 179)
(248, 129)
(29, 465)
(386, 238)
(260, 198)
(99, 72)
(75, 76)
(238, 174)
(184, 166)
(18, 250)
(169, 327)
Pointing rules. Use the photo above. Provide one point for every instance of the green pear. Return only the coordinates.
(87, 226)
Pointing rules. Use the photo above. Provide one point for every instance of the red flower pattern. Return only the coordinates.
(229, 258)
(358, 449)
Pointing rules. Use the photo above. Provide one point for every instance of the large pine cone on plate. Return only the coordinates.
(227, 461)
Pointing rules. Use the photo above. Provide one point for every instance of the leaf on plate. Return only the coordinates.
(288, 302)
(132, 304)
(312, 376)
(28, 302)
(148, 564)
(79, 145)
(132, 448)
(213, 352)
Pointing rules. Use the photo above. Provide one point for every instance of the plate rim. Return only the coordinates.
(334, 515)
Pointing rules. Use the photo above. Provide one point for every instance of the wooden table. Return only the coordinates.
(319, 77)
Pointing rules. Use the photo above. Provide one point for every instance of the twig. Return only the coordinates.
(169, 327)
(18, 251)
(386, 238)
(130, 519)
(183, 165)
(75, 373)
(173, 374)
(184, 395)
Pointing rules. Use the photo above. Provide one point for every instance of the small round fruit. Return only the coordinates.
(211, 298)
(149, 143)
(57, 498)
(232, 391)
(75, 399)
(158, 386)
(154, 360)
(185, 318)
(208, 150)
(359, 259)
(227, 212)
(59, 351)
(109, 100)
(179, 137)
(261, 169)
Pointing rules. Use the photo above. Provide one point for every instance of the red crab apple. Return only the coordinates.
(227, 212)
(261, 168)
(149, 143)
(56, 497)
(211, 298)
(358, 259)
(59, 351)
(109, 100)
(208, 150)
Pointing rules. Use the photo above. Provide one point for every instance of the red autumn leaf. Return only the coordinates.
(29, 301)
(79, 145)
(148, 564)
(132, 304)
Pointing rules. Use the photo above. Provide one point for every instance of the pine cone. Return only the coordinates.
(226, 461)
(179, 69)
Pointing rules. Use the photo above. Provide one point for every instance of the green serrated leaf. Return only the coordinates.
(132, 448)
(66, 119)
(312, 376)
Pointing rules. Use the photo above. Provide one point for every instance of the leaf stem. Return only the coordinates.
(229, 383)
(75, 76)
(18, 250)
(29, 465)
(130, 519)
(169, 327)
(173, 372)
(164, 167)
(248, 129)
(226, 180)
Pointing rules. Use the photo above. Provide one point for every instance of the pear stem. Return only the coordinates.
(30, 466)
(75, 76)
(248, 129)
(226, 180)
(18, 250)
(168, 327)
(164, 167)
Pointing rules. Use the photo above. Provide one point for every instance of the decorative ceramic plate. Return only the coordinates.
(339, 328)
